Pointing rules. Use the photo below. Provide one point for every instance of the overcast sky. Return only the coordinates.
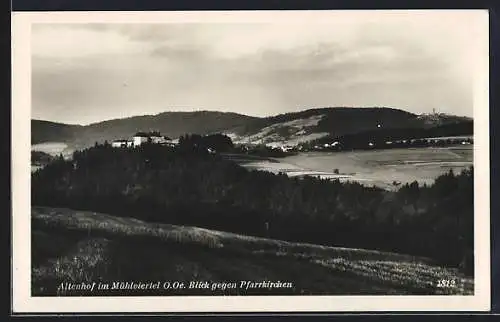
(83, 73)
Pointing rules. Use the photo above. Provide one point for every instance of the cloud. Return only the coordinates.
(62, 42)
(87, 72)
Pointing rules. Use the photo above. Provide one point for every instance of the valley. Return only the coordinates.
(381, 168)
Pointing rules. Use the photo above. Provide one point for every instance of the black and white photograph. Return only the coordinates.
(269, 156)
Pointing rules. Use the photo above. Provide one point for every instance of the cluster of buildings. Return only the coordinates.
(143, 137)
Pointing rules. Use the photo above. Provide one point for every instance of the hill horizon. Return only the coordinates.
(286, 129)
(236, 113)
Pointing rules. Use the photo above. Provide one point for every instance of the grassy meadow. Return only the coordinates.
(81, 246)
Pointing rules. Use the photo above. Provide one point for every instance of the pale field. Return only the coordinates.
(376, 167)
(53, 148)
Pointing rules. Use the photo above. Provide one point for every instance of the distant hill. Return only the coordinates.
(45, 131)
(172, 124)
(289, 128)
(314, 124)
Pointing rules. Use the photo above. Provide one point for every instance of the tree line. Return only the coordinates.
(187, 185)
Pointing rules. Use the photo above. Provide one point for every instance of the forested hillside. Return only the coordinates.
(334, 122)
(380, 136)
(172, 124)
(45, 131)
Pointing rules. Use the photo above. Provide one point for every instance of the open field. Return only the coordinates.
(76, 246)
(52, 148)
(376, 167)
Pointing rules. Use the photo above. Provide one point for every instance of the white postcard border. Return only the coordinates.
(21, 136)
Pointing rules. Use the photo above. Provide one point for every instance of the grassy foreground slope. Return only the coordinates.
(79, 246)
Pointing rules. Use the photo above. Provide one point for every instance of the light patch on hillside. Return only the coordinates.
(284, 133)
(53, 148)
(299, 138)
(301, 123)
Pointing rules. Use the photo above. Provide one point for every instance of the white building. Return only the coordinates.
(158, 139)
(152, 137)
(121, 143)
(140, 138)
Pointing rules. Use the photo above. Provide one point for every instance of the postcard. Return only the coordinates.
(250, 161)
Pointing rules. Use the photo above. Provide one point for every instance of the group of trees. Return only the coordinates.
(190, 186)
(222, 143)
(40, 158)
(195, 142)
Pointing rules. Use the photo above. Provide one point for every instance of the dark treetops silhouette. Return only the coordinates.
(40, 158)
(189, 186)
